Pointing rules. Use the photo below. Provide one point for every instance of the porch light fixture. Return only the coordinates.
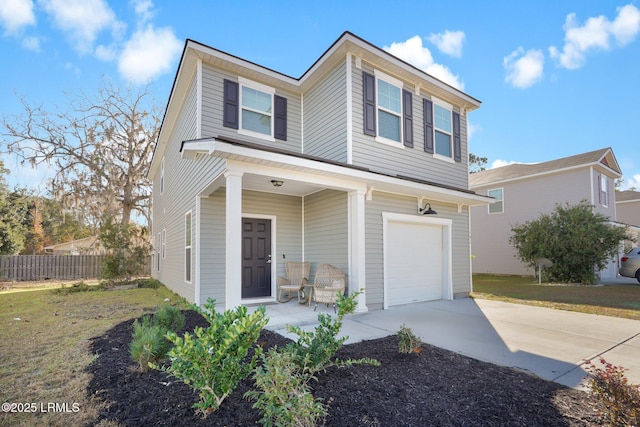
(277, 183)
(427, 210)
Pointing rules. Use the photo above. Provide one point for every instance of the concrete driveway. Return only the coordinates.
(552, 344)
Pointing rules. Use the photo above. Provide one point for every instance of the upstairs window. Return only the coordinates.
(443, 130)
(388, 109)
(604, 191)
(254, 109)
(498, 205)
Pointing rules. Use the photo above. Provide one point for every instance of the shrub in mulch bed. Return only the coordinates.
(435, 387)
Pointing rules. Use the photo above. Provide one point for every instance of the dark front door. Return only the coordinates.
(256, 257)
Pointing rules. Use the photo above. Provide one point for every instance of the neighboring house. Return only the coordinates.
(525, 191)
(628, 212)
(85, 246)
(254, 168)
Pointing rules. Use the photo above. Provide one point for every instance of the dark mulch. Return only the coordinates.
(433, 388)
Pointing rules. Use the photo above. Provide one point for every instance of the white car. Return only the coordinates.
(630, 264)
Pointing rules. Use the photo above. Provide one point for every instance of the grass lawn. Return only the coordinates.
(44, 342)
(609, 300)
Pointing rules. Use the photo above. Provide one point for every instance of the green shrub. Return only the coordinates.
(407, 341)
(612, 389)
(284, 397)
(214, 360)
(77, 287)
(149, 344)
(169, 318)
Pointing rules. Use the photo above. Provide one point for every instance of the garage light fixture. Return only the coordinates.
(427, 210)
(276, 183)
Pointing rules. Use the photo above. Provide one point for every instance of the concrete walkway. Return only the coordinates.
(552, 344)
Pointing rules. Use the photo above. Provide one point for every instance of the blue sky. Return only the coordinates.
(556, 78)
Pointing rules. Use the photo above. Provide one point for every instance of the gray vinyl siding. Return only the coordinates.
(374, 248)
(326, 229)
(212, 114)
(413, 162)
(288, 238)
(524, 200)
(628, 213)
(325, 116)
(184, 180)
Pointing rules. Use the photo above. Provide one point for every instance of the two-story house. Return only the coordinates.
(525, 191)
(360, 163)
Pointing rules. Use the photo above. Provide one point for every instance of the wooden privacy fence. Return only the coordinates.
(20, 268)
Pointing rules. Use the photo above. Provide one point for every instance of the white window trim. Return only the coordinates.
(162, 176)
(158, 250)
(502, 200)
(189, 246)
(262, 88)
(394, 82)
(604, 191)
(443, 104)
(163, 243)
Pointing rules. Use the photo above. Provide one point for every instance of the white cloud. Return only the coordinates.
(15, 15)
(524, 69)
(472, 129)
(143, 10)
(31, 43)
(414, 53)
(449, 42)
(633, 182)
(106, 53)
(83, 20)
(498, 163)
(595, 34)
(148, 54)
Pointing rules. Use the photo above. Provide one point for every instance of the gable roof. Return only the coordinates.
(627, 196)
(603, 159)
(347, 43)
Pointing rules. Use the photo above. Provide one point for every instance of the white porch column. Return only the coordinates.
(233, 264)
(357, 264)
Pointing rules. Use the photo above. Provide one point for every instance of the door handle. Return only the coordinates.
(269, 260)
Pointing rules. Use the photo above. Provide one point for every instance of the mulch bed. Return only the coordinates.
(435, 387)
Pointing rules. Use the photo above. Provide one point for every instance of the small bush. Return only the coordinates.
(149, 344)
(148, 283)
(407, 341)
(284, 397)
(214, 360)
(169, 318)
(611, 388)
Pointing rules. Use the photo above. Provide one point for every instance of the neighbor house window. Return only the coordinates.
(187, 247)
(443, 127)
(498, 205)
(604, 191)
(254, 109)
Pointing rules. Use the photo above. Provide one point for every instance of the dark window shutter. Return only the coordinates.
(369, 93)
(280, 118)
(599, 188)
(407, 117)
(231, 104)
(428, 126)
(457, 143)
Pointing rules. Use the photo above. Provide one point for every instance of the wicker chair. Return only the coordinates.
(328, 283)
(297, 278)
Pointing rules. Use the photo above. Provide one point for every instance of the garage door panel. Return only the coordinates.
(414, 262)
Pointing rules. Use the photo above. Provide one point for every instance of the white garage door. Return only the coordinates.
(414, 262)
